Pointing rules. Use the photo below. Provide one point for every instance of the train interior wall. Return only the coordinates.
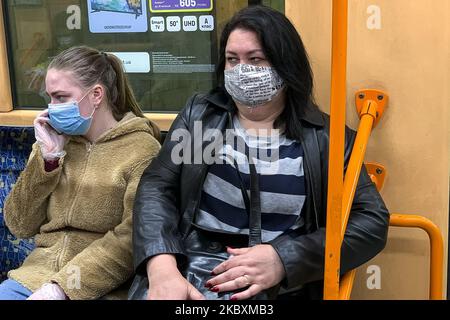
(402, 47)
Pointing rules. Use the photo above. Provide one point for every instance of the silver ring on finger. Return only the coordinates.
(247, 280)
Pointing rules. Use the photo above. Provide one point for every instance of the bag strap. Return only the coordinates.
(255, 208)
(243, 189)
(252, 204)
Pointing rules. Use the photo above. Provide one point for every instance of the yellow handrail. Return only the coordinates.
(336, 162)
(436, 248)
(436, 255)
(377, 173)
(341, 191)
(346, 285)
(370, 107)
(356, 160)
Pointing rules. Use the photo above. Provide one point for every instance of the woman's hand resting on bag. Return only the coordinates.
(257, 268)
(167, 283)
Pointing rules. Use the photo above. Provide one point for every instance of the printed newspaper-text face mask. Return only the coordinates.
(252, 85)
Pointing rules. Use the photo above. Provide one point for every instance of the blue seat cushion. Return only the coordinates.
(15, 147)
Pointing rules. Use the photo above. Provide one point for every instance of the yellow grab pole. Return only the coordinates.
(436, 248)
(356, 160)
(336, 150)
(346, 285)
(350, 183)
(370, 105)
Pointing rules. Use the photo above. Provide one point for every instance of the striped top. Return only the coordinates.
(279, 164)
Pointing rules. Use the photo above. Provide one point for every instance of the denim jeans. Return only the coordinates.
(12, 290)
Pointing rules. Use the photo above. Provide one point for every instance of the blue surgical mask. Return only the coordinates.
(66, 118)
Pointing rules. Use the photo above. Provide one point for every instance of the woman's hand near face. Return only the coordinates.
(51, 143)
(166, 281)
(257, 268)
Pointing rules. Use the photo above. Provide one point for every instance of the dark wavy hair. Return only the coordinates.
(284, 49)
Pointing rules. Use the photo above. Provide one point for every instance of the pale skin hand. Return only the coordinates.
(166, 281)
(261, 265)
(45, 134)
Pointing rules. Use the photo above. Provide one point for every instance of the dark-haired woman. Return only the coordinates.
(76, 193)
(250, 223)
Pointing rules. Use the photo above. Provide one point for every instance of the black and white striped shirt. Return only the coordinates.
(281, 184)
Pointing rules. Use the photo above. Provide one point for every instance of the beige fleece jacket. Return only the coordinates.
(81, 213)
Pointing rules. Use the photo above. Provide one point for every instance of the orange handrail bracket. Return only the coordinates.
(336, 160)
(365, 98)
(436, 248)
(377, 174)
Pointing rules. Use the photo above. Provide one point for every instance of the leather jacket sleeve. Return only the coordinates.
(156, 215)
(303, 256)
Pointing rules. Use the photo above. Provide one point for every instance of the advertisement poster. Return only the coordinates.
(181, 5)
(117, 16)
(134, 62)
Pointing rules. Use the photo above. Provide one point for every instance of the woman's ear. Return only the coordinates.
(98, 93)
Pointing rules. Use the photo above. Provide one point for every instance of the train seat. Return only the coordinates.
(15, 147)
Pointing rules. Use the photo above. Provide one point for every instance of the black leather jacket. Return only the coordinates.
(169, 194)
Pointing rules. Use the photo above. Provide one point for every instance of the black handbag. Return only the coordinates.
(205, 249)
